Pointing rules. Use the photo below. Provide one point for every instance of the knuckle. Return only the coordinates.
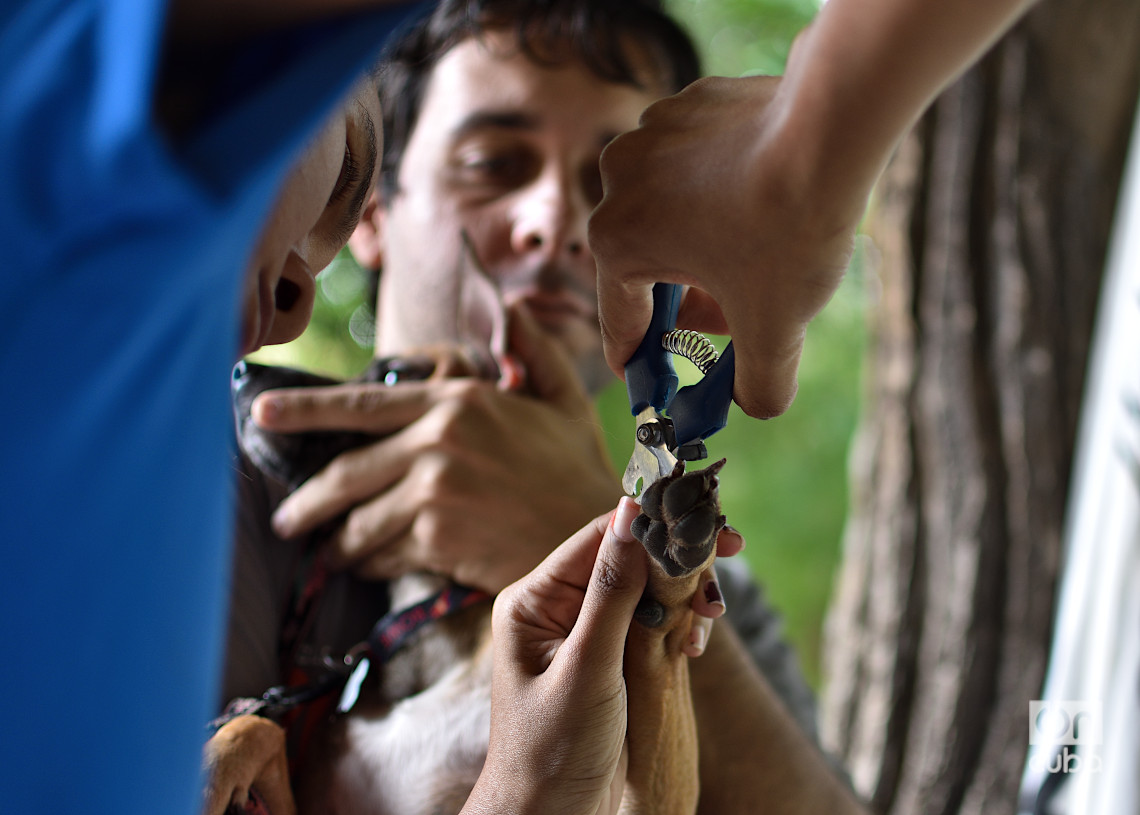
(339, 473)
(609, 579)
(363, 399)
(356, 532)
(431, 477)
(466, 407)
(470, 394)
(455, 400)
(428, 534)
(502, 610)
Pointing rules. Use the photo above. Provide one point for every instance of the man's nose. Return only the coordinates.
(550, 220)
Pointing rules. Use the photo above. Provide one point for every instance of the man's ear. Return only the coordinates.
(366, 241)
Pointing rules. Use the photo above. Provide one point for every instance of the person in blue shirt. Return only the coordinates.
(142, 153)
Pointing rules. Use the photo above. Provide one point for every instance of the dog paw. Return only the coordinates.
(681, 518)
(245, 753)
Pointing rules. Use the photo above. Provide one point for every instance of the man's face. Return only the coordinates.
(316, 211)
(507, 151)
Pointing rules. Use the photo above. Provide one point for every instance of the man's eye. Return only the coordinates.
(495, 168)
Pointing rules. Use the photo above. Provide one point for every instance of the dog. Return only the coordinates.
(413, 737)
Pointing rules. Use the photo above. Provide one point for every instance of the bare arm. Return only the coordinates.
(751, 189)
(753, 755)
(862, 73)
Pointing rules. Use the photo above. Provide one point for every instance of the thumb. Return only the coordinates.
(550, 371)
(615, 588)
(624, 311)
(700, 312)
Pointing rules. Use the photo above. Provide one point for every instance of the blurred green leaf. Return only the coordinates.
(739, 37)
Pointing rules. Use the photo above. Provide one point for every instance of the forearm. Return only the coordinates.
(862, 73)
(753, 755)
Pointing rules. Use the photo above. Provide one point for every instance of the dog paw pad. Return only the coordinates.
(680, 518)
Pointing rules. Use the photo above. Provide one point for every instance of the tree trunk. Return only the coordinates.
(990, 231)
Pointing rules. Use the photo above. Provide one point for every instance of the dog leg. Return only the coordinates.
(247, 752)
(679, 525)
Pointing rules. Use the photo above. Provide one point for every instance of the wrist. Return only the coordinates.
(511, 785)
(493, 794)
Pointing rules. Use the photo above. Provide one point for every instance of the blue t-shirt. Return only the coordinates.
(121, 258)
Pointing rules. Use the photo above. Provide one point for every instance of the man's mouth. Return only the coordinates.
(555, 309)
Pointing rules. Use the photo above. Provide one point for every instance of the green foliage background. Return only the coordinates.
(784, 485)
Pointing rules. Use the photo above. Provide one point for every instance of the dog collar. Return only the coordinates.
(390, 633)
(394, 629)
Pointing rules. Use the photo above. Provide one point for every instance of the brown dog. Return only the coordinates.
(415, 737)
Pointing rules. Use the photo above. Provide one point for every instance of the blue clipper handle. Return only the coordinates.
(700, 410)
(649, 375)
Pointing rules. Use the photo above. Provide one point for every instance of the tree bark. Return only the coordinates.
(990, 230)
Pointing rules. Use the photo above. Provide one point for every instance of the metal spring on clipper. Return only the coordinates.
(693, 346)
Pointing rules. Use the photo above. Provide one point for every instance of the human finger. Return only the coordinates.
(708, 602)
(707, 605)
(348, 479)
(550, 373)
(698, 636)
(729, 542)
(630, 230)
(387, 563)
(370, 541)
(700, 312)
(624, 311)
(533, 615)
(452, 361)
(365, 407)
(625, 300)
(552, 599)
(766, 365)
(616, 586)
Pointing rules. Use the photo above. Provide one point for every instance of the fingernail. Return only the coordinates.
(712, 593)
(512, 374)
(627, 510)
(282, 523)
(732, 530)
(697, 641)
(266, 409)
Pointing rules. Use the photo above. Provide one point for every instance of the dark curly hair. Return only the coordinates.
(598, 33)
